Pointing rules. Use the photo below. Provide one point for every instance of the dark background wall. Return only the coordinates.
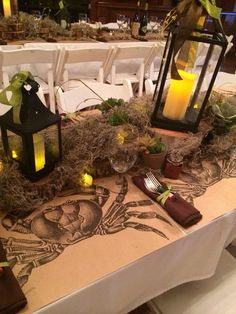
(106, 10)
(74, 6)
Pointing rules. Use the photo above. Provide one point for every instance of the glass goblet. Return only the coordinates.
(120, 20)
(83, 18)
(153, 20)
(122, 159)
(126, 25)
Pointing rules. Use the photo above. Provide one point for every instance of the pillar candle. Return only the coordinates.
(7, 7)
(178, 96)
(39, 151)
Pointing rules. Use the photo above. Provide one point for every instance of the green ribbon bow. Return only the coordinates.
(15, 88)
(61, 5)
(164, 196)
(4, 264)
(211, 8)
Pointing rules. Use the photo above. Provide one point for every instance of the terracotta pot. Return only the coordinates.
(44, 30)
(153, 161)
(78, 34)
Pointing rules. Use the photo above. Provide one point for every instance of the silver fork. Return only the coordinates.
(150, 186)
(157, 185)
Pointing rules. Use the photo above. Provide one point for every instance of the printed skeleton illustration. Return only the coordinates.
(69, 223)
(197, 177)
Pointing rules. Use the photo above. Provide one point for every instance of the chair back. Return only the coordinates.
(10, 47)
(89, 94)
(129, 62)
(41, 63)
(82, 63)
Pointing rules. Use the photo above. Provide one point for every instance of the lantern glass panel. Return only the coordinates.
(52, 145)
(15, 146)
(182, 100)
(39, 151)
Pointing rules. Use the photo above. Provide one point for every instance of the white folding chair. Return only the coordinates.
(88, 94)
(10, 47)
(82, 63)
(202, 51)
(149, 87)
(215, 295)
(152, 71)
(129, 63)
(40, 62)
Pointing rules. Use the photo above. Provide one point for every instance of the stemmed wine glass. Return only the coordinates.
(153, 21)
(126, 24)
(122, 159)
(120, 20)
(83, 19)
(37, 17)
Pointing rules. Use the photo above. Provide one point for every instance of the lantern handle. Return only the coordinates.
(12, 94)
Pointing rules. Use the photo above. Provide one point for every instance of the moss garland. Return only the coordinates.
(87, 144)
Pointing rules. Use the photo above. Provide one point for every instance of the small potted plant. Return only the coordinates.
(153, 151)
(14, 23)
(47, 26)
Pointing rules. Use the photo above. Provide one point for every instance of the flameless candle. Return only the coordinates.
(14, 154)
(7, 7)
(86, 180)
(39, 151)
(178, 96)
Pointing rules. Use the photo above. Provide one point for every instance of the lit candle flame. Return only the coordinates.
(14, 154)
(86, 180)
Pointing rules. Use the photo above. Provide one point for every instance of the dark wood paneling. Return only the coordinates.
(107, 10)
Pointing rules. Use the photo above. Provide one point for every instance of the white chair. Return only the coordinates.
(215, 295)
(40, 62)
(82, 63)
(152, 71)
(129, 63)
(202, 51)
(10, 47)
(149, 87)
(88, 94)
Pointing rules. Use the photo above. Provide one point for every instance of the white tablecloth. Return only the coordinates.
(192, 257)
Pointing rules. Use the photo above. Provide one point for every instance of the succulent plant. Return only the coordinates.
(152, 144)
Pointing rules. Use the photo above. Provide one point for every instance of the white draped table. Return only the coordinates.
(114, 273)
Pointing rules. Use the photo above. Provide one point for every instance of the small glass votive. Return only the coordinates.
(173, 166)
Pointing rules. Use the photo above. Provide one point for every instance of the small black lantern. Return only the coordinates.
(180, 99)
(35, 142)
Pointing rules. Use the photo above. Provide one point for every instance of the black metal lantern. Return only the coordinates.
(35, 143)
(179, 103)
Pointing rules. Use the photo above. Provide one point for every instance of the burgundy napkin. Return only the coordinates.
(12, 298)
(177, 207)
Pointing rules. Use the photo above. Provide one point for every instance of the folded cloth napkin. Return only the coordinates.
(177, 207)
(12, 298)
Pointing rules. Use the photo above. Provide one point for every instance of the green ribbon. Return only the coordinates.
(164, 196)
(61, 5)
(15, 88)
(4, 264)
(211, 8)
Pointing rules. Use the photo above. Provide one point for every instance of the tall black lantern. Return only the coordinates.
(180, 101)
(35, 143)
